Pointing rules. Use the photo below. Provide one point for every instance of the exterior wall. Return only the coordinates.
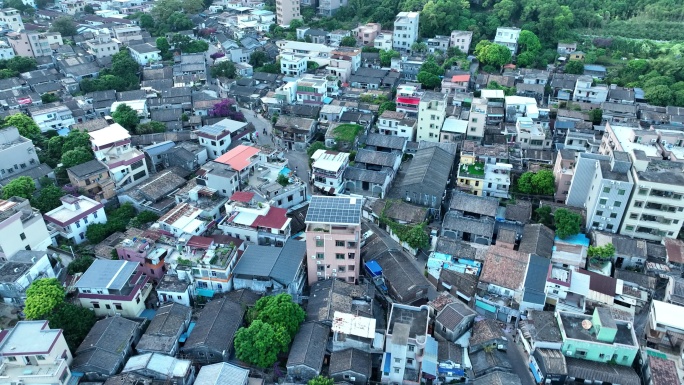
(563, 172)
(477, 121)
(346, 376)
(53, 120)
(15, 292)
(180, 298)
(431, 116)
(405, 30)
(12, 19)
(293, 65)
(32, 233)
(103, 49)
(215, 148)
(20, 44)
(286, 11)
(453, 335)
(145, 58)
(322, 251)
(97, 186)
(461, 40)
(301, 373)
(53, 368)
(17, 158)
(127, 307)
(644, 200)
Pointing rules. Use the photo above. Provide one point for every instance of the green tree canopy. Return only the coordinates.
(75, 322)
(529, 42)
(64, 25)
(89, 9)
(537, 183)
(24, 187)
(600, 254)
(150, 127)
(225, 69)
(48, 198)
(77, 156)
(126, 117)
(258, 59)
(567, 223)
(42, 296)
(260, 343)
(574, 67)
(279, 310)
(97, 232)
(80, 265)
(348, 41)
(321, 380)
(428, 80)
(596, 115)
(387, 106)
(492, 54)
(144, 218)
(27, 126)
(386, 57)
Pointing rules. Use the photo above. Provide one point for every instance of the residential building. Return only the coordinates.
(72, 7)
(172, 288)
(23, 154)
(170, 321)
(397, 124)
(52, 117)
(350, 365)
(531, 136)
(222, 373)
(161, 367)
(10, 18)
(327, 170)
(33, 354)
(477, 119)
(329, 7)
(320, 53)
(211, 340)
(217, 137)
(487, 335)
(664, 324)
(405, 339)
(598, 337)
(408, 99)
(438, 43)
(461, 40)
(484, 170)
(211, 263)
(295, 132)
(93, 179)
(24, 227)
(19, 271)
(456, 84)
(112, 287)
(306, 356)
(184, 219)
(126, 164)
(383, 41)
(602, 184)
(102, 46)
(139, 247)
(333, 297)
(367, 33)
(333, 230)
(73, 217)
(586, 92)
(128, 34)
(427, 176)
(503, 275)
(255, 222)
(468, 229)
(454, 320)
(34, 44)
(293, 65)
(431, 114)
(508, 37)
(218, 177)
(6, 51)
(145, 54)
(107, 347)
(273, 270)
(311, 90)
(405, 30)
(286, 11)
(344, 61)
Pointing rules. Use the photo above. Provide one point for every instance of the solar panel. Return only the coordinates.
(339, 210)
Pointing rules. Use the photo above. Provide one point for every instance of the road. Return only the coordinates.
(519, 362)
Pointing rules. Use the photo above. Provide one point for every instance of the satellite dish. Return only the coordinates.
(586, 324)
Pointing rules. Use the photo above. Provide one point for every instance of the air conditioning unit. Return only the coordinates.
(663, 142)
(318, 237)
(603, 218)
(569, 352)
(334, 274)
(334, 270)
(603, 206)
(318, 262)
(313, 257)
(612, 207)
(318, 273)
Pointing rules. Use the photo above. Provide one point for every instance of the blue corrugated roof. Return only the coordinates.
(374, 268)
(185, 335)
(578, 239)
(388, 362)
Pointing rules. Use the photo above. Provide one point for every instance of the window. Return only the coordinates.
(351, 268)
(638, 204)
(108, 307)
(411, 348)
(339, 256)
(22, 236)
(397, 360)
(633, 216)
(606, 189)
(339, 243)
(609, 227)
(629, 228)
(599, 213)
(12, 359)
(409, 361)
(603, 201)
(643, 191)
(621, 192)
(40, 357)
(96, 305)
(351, 255)
(613, 215)
(95, 215)
(117, 306)
(396, 370)
(617, 204)
(602, 356)
(319, 255)
(319, 243)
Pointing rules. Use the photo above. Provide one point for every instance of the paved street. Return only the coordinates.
(517, 359)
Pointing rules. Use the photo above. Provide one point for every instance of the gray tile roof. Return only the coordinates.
(465, 283)
(216, 326)
(371, 176)
(110, 274)
(552, 360)
(537, 239)
(161, 186)
(542, 326)
(400, 211)
(641, 279)
(101, 348)
(350, 360)
(600, 372)
(387, 141)
(384, 159)
(222, 374)
(474, 204)
(162, 333)
(429, 171)
(278, 263)
(452, 315)
(309, 346)
(330, 295)
(535, 280)
(455, 222)
(88, 168)
(498, 378)
(521, 212)
(401, 274)
(485, 331)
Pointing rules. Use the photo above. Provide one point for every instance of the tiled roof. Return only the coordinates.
(504, 267)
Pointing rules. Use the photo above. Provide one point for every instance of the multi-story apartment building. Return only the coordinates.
(408, 99)
(218, 177)
(6, 51)
(477, 119)
(586, 92)
(438, 43)
(396, 123)
(145, 54)
(461, 40)
(111, 287)
(126, 164)
(312, 90)
(405, 30)
(34, 44)
(431, 114)
(366, 33)
(665, 324)
(144, 250)
(72, 7)
(10, 18)
(254, 221)
(383, 41)
(654, 210)
(344, 61)
(73, 217)
(530, 135)
(563, 171)
(128, 34)
(293, 64)
(217, 137)
(52, 117)
(602, 185)
(23, 227)
(32, 353)
(406, 337)
(21, 270)
(333, 243)
(93, 179)
(327, 170)
(597, 337)
(484, 170)
(583, 140)
(286, 11)
(330, 7)
(102, 46)
(18, 152)
(508, 36)
(183, 220)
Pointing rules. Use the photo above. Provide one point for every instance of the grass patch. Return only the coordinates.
(346, 132)
(474, 169)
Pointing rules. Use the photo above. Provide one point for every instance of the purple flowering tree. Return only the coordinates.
(227, 108)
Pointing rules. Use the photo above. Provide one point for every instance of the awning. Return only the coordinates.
(373, 268)
(205, 292)
(485, 306)
(327, 100)
(185, 335)
(200, 242)
(388, 362)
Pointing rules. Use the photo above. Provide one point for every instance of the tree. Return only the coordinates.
(596, 115)
(417, 237)
(179, 22)
(348, 41)
(80, 265)
(49, 98)
(97, 232)
(574, 67)
(660, 95)
(600, 254)
(19, 64)
(64, 25)
(24, 187)
(42, 296)
(260, 343)
(543, 182)
(78, 155)
(227, 108)
(126, 117)
(89, 9)
(492, 54)
(27, 127)
(146, 21)
(543, 215)
(419, 47)
(144, 218)
(150, 127)
(164, 48)
(428, 80)
(567, 223)
(296, 23)
(76, 138)
(321, 380)
(224, 69)
(315, 146)
(124, 65)
(75, 322)
(283, 180)
(48, 198)
(386, 57)
(279, 310)
(258, 59)
(529, 42)
(387, 106)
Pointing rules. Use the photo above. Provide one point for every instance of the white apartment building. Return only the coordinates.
(22, 226)
(405, 30)
(588, 93)
(344, 61)
(286, 11)
(18, 152)
(431, 114)
(128, 34)
(217, 137)
(32, 353)
(34, 44)
(531, 136)
(397, 124)
(145, 54)
(293, 65)
(10, 18)
(102, 46)
(183, 219)
(126, 164)
(6, 51)
(254, 221)
(52, 117)
(383, 41)
(477, 119)
(73, 217)
(72, 7)
(461, 40)
(405, 344)
(320, 53)
(508, 36)
(21, 270)
(327, 170)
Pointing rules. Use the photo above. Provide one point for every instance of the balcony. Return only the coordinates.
(33, 373)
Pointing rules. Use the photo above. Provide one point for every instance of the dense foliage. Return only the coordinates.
(117, 220)
(122, 76)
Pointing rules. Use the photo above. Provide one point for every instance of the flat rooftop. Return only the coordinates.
(415, 317)
(572, 327)
(624, 134)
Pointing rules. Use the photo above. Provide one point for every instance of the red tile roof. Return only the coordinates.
(505, 267)
(674, 249)
(242, 196)
(200, 242)
(460, 78)
(275, 219)
(664, 371)
(238, 158)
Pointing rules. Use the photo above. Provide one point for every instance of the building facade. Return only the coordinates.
(405, 30)
(431, 114)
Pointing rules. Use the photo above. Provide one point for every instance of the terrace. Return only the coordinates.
(475, 170)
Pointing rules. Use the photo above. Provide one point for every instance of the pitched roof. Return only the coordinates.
(498, 378)
(216, 326)
(537, 239)
(370, 176)
(384, 159)
(330, 296)
(601, 283)
(474, 204)
(100, 348)
(464, 283)
(485, 331)
(504, 267)
(481, 226)
(400, 210)
(429, 170)
(452, 315)
(542, 326)
(521, 211)
(449, 351)
(602, 372)
(351, 360)
(535, 279)
(88, 168)
(239, 157)
(221, 374)
(674, 249)
(278, 263)
(309, 346)
(663, 371)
